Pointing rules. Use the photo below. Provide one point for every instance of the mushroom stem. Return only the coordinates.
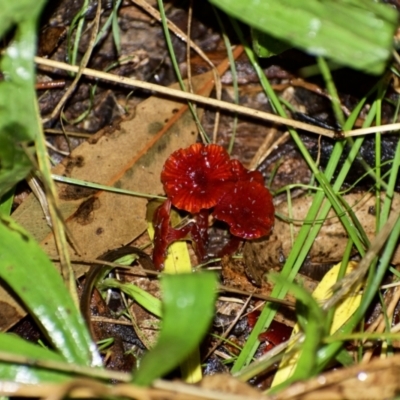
(165, 234)
(199, 234)
(231, 247)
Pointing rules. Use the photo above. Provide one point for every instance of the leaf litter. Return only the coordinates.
(83, 206)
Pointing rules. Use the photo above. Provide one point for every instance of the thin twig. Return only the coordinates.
(226, 333)
(186, 38)
(200, 99)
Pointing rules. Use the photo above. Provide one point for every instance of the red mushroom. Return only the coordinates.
(195, 178)
(203, 177)
(248, 209)
(165, 234)
(243, 174)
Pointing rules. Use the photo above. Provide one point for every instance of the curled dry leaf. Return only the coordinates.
(328, 248)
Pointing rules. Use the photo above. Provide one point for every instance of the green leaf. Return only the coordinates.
(312, 321)
(24, 373)
(145, 299)
(29, 273)
(355, 33)
(188, 309)
(19, 120)
(6, 202)
(265, 45)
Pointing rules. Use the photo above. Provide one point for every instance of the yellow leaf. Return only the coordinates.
(344, 310)
(178, 262)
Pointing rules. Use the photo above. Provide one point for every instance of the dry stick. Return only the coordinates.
(69, 133)
(181, 35)
(214, 102)
(255, 295)
(202, 392)
(189, 30)
(197, 98)
(83, 64)
(226, 333)
(268, 146)
(56, 150)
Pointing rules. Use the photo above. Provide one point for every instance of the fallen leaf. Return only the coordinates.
(129, 156)
(271, 252)
(345, 309)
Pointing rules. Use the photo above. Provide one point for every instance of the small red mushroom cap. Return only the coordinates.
(195, 178)
(248, 209)
(243, 174)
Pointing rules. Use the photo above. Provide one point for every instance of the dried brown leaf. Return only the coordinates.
(270, 253)
(129, 156)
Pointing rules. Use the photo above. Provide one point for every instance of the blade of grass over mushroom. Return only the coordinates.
(299, 252)
(25, 373)
(48, 300)
(356, 34)
(188, 307)
(307, 233)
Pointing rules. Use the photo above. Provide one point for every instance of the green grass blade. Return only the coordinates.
(326, 354)
(188, 301)
(145, 299)
(29, 273)
(356, 33)
(23, 373)
(307, 233)
(312, 320)
(266, 45)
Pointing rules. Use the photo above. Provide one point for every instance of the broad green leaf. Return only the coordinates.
(29, 273)
(145, 299)
(23, 373)
(355, 33)
(6, 202)
(19, 120)
(188, 307)
(266, 45)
